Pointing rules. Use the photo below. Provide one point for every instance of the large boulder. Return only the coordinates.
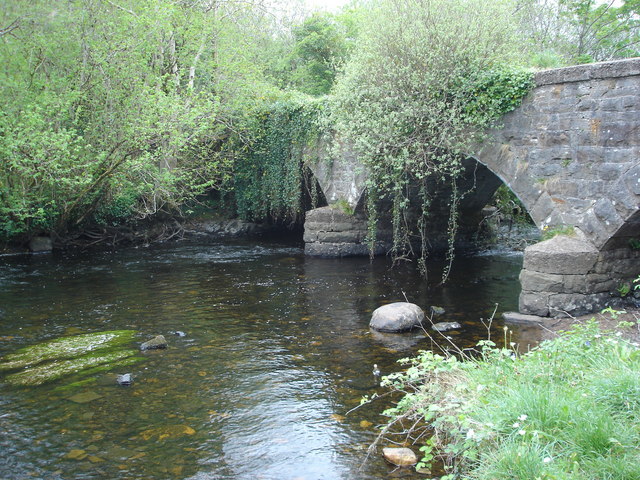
(397, 317)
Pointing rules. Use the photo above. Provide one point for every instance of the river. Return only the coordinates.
(276, 351)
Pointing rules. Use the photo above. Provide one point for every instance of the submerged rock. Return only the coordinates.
(55, 369)
(402, 457)
(124, 380)
(397, 317)
(445, 326)
(80, 355)
(435, 311)
(85, 397)
(155, 343)
(66, 347)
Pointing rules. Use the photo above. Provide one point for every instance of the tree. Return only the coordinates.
(581, 31)
(112, 110)
(426, 76)
(603, 30)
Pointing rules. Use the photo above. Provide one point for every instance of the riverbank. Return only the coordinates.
(567, 409)
(626, 321)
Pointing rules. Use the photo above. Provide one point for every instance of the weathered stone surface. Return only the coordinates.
(531, 280)
(445, 326)
(573, 304)
(534, 303)
(521, 318)
(561, 255)
(396, 317)
(402, 457)
(155, 343)
(330, 232)
(124, 379)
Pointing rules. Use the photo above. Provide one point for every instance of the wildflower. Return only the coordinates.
(471, 434)
(522, 418)
(516, 425)
(521, 432)
(546, 460)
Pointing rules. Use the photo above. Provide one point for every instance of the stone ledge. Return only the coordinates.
(561, 255)
(521, 318)
(579, 73)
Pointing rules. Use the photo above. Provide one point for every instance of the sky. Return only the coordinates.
(330, 5)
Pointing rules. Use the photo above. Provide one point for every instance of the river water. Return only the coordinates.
(276, 351)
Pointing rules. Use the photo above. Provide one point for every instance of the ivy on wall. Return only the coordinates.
(271, 179)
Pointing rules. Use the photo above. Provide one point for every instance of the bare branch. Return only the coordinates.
(10, 28)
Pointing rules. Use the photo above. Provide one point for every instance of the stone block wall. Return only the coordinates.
(330, 232)
(569, 276)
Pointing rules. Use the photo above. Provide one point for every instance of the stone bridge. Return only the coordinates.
(571, 154)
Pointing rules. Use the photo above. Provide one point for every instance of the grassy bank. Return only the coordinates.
(569, 409)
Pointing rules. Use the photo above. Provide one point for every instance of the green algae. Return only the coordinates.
(125, 362)
(55, 369)
(79, 356)
(66, 348)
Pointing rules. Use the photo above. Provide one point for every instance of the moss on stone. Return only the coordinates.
(55, 369)
(66, 347)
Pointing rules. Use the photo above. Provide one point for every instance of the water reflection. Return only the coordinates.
(277, 350)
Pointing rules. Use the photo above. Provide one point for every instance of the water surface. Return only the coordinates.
(277, 350)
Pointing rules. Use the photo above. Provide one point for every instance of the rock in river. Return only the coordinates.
(78, 355)
(155, 343)
(446, 326)
(396, 317)
(124, 380)
(402, 457)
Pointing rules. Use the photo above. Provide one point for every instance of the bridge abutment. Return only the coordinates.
(569, 276)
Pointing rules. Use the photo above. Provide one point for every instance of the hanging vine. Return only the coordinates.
(271, 179)
(427, 79)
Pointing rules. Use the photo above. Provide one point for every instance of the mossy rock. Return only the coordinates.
(66, 347)
(79, 355)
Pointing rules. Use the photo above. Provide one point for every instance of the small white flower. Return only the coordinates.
(522, 418)
(471, 434)
(618, 334)
(521, 432)
(546, 460)
(516, 425)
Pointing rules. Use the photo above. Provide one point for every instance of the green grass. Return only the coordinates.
(570, 409)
